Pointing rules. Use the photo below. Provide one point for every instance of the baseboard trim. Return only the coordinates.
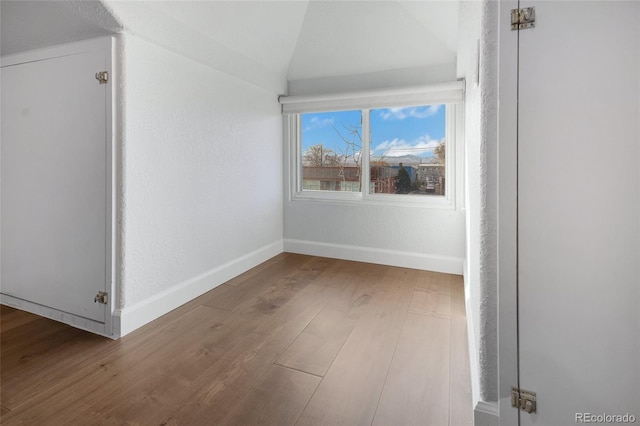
(135, 316)
(437, 263)
(473, 350)
(486, 414)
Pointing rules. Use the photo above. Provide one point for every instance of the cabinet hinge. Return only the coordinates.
(102, 77)
(523, 399)
(523, 18)
(101, 297)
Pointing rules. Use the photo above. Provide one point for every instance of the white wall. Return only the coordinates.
(405, 77)
(403, 236)
(201, 189)
(468, 51)
(488, 348)
(476, 63)
(415, 236)
(488, 268)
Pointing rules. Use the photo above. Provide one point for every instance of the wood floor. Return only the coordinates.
(297, 340)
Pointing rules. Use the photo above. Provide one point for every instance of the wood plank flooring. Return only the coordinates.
(298, 340)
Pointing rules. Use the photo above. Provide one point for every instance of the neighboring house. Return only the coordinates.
(331, 178)
(347, 178)
(432, 177)
(383, 178)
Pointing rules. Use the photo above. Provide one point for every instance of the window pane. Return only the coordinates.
(331, 151)
(408, 150)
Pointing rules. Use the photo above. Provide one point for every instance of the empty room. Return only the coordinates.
(319, 212)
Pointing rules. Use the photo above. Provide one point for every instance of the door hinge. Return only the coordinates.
(101, 297)
(523, 399)
(523, 18)
(102, 77)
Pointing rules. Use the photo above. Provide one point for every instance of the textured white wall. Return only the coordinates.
(403, 236)
(412, 236)
(405, 77)
(202, 170)
(477, 41)
(488, 348)
(408, 236)
(468, 50)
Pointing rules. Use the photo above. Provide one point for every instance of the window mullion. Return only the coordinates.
(366, 146)
(451, 148)
(296, 130)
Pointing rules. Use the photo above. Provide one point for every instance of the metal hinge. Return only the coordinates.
(102, 77)
(523, 399)
(523, 18)
(101, 297)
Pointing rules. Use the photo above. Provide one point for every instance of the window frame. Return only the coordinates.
(454, 189)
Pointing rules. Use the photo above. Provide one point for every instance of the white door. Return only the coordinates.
(54, 183)
(578, 210)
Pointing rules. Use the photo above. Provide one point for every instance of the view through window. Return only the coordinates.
(332, 151)
(405, 153)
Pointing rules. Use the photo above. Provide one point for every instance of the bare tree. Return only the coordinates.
(351, 135)
(440, 152)
(320, 156)
(351, 153)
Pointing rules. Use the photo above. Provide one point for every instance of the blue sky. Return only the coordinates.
(394, 131)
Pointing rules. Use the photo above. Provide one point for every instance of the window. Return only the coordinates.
(377, 148)
(407, 150)
(331, 151)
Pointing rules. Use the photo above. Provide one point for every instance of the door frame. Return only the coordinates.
(107, 328)
(507, 212)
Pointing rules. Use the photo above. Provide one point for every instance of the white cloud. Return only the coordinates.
(415, 112)
(316, 123)
(399, 147)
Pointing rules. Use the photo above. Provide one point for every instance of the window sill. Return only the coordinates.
(437, 202)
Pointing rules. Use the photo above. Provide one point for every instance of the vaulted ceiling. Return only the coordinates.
(27, 25)
(265, 42)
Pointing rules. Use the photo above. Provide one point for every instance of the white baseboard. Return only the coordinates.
(139, 314)
(473, 349)
(429, 262)
(486, 414)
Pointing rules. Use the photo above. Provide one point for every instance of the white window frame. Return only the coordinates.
(449, 94)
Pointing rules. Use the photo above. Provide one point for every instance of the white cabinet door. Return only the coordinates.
(54, 183)
(578, 210)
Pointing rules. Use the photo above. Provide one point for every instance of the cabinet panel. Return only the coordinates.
(54, 183)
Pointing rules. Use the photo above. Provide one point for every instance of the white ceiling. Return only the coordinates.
(265, 31)
(265, 42)
(356, 37)
(27, 25)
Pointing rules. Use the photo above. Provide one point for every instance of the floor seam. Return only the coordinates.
(298, 370)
